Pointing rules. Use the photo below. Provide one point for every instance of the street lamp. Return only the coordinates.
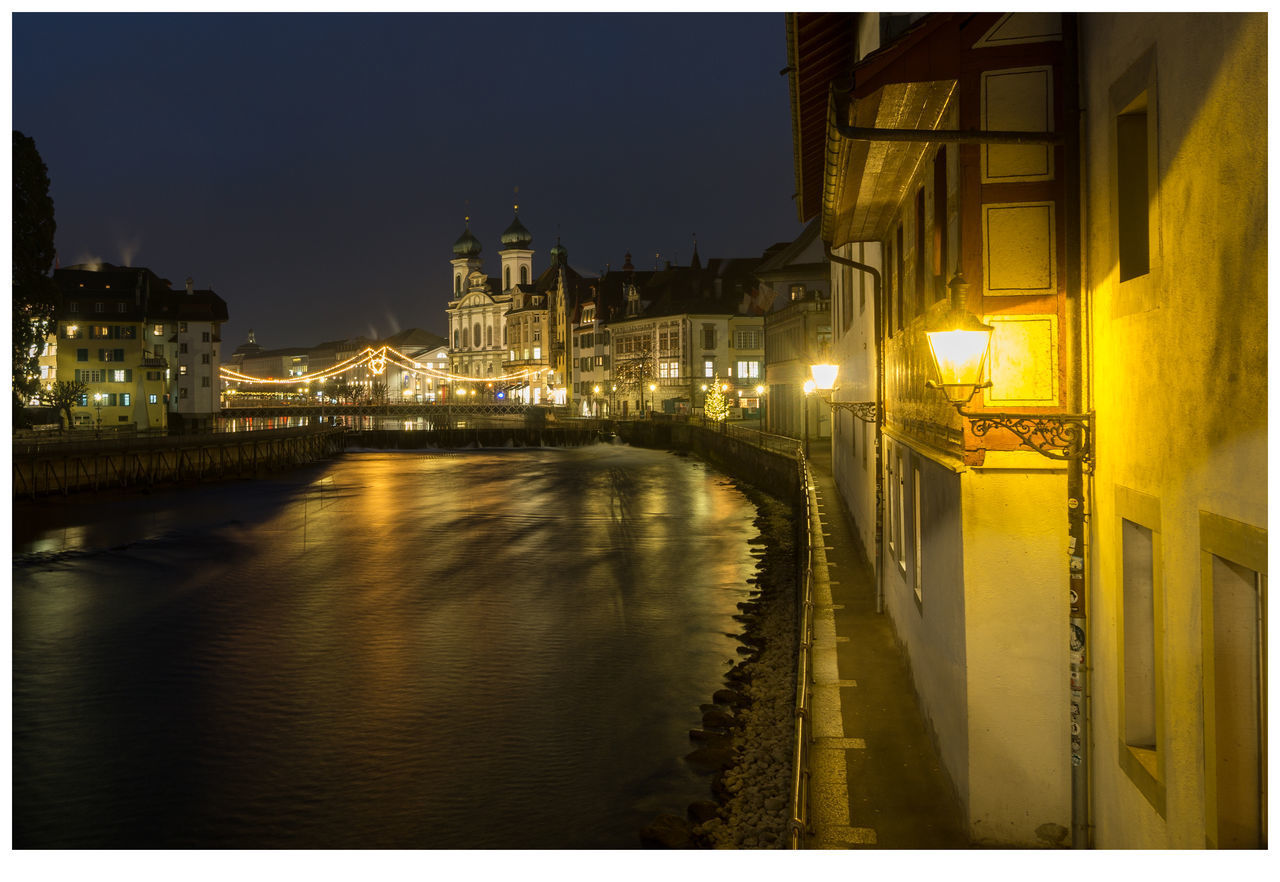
(824, 380)
(97, 403)
(652, 389)
(958, 345)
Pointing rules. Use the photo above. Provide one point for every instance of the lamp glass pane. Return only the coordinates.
(824, 376)
(959, 355)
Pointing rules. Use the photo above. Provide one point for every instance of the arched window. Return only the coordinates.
(475, 334)
(504, 335)
(524, 275)
(506, 277)
(488, 336)
(457, 284)
(455, 339)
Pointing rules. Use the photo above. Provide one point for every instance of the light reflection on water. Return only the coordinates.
(475, 650)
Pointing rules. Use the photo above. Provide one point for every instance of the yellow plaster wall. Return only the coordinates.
(1179, 364)
(1016, 608)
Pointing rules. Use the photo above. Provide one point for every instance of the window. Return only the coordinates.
(82, 355)
(84, 399)
(475, 335)
(73, 306)
(708, 338)
(748, 370)
(898, 277)
(182, 348)
(204, 336)
(204, 359)
(1140, 626)
(1233, 568)
(940, 218)
(73, 332)
(918, 581)
(121, 376)
(524, 275)
(151, 399)
(182, 393)
(99, 307)
(204, 382)
(122, 307)
(182, 370)
(457, 284)
(709, 368)
(922, 280)
(747, 340)
(537, 352)
(127, 332)
(455, 339)
(125, 399)
(506, 277)
(797, 292)
(157, 330)
(1132, 190)
(182, 327)
(669, 369)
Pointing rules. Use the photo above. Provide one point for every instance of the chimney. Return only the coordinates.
(190, 282)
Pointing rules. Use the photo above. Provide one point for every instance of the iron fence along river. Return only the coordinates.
(487, 649)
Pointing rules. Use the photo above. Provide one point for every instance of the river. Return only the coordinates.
(480, 649)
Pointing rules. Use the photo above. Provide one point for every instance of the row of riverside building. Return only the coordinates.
(148, 355)
(624, 342)
(1087, 637)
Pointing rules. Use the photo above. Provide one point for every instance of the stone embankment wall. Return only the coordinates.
(746, 742)
(73, 466)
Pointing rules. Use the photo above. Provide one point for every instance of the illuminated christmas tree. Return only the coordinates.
(716, 406)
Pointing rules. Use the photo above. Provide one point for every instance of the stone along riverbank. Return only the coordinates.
(745, 742)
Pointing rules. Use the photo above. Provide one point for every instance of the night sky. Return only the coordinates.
(315, 169)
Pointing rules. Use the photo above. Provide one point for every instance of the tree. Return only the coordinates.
(634, 371)
(715, 407)
(378, 392)
(63, 395)
(34, 292)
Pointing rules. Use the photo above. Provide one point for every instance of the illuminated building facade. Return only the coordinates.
(673, 329)
(478, 308)
(143, 350)
(1078, 685)
(795, 282)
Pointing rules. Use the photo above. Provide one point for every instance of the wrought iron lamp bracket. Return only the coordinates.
(867, 411)
(1065, 436)
(1058, 436)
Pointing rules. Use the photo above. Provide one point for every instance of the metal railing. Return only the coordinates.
(787, 446)
(804, 670)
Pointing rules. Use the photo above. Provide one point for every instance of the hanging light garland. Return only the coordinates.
(377, 360)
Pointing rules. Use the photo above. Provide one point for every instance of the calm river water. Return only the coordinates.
(486, 649)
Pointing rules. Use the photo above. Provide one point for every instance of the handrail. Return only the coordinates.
(804, 670)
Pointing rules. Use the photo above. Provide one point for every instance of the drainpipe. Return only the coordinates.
(877, 319)
(1081, 734)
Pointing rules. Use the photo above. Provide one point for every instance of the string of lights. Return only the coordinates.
(376, 360)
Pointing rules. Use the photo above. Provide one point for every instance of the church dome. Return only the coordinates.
(559, 255)
(516, 236)
(467, 244)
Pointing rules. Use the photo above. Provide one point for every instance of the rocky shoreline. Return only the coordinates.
(745, 742)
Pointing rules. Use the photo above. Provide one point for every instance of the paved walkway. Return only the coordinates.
(876, 781)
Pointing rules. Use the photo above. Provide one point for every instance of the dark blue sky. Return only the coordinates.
(315, 169)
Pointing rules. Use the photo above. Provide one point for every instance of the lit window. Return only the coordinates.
(709, 369)
(537, 352)
(182, 370)
(749, 370)
(157, 330)
(125, 399)
(151, 399)
(117, 376)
